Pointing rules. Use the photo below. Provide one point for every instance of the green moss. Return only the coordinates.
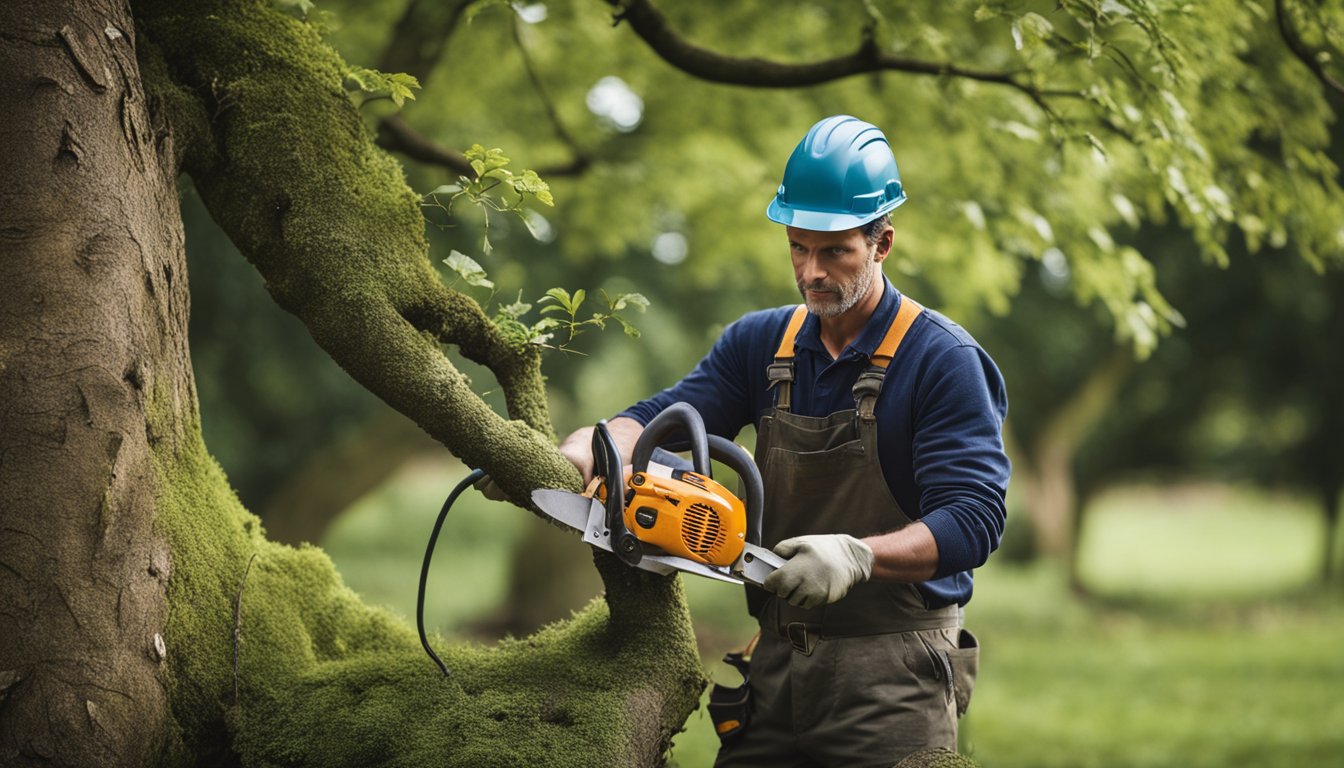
(936, 758)
(325, 680)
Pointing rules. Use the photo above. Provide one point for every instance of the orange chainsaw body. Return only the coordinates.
(687, 515)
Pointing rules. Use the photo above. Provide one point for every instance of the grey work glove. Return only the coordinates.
(821, 569)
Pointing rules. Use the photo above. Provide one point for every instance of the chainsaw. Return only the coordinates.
(664, 519)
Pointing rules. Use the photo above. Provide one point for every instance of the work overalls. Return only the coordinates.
(870, 678)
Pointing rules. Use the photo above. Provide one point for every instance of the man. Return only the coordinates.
(879, 440)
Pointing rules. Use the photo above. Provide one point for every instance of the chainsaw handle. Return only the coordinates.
(607, 463)
(678, 417)
(736, 458)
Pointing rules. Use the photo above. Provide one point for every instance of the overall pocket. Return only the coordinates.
(965, 662)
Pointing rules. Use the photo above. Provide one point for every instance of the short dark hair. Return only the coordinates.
(872, 231)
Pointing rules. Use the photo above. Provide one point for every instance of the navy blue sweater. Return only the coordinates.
(939, 417)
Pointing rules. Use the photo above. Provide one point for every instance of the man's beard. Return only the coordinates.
(842, 296)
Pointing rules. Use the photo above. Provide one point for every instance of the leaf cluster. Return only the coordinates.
(496, 188)
(367, 85)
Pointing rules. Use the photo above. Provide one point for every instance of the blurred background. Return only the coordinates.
(1168, 313)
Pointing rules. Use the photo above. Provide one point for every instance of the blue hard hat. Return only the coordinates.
(840, 176)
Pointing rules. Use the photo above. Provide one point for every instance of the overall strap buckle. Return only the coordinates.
(780, 373)
(781, 370)
(866, 390)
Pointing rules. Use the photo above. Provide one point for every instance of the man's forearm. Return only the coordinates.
(909, 555)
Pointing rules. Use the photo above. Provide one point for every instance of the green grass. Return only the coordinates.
(1206, 642)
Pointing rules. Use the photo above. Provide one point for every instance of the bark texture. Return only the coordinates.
(93, 324)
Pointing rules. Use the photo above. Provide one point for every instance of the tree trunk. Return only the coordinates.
(1048, 478)
(92, 335)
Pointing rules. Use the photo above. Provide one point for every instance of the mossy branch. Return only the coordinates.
(286, 166)
(294, 178)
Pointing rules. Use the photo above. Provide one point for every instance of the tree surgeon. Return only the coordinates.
(879, 438)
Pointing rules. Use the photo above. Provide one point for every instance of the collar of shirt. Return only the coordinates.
(809, 336)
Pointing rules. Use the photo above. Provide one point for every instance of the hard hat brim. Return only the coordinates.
(824, 221)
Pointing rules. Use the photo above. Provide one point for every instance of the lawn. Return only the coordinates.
(1204, 644)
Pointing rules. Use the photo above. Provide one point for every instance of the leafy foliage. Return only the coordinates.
(1124, 111)
(496, 188)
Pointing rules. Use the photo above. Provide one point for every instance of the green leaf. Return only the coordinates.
(563, 301)
(467, 268)
(484, 160)
(628, 300)
(446, 189)
(530, 182)
(397, 86)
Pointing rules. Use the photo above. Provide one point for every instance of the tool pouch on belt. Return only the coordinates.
(730, 706)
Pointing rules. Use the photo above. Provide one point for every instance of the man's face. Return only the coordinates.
(835, 270)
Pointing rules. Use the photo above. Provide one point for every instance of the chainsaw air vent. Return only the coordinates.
(702, 530)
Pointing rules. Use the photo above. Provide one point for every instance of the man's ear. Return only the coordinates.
(882, 248)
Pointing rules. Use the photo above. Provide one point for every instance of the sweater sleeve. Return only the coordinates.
(960, 465)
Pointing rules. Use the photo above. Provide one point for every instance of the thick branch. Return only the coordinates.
(1302, 51)
(650, 24)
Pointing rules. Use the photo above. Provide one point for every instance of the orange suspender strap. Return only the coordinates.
(905, 317)
(780, 372)
(869, 385)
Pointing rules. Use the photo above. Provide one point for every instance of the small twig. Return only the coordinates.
(581, 157)
(238, 624)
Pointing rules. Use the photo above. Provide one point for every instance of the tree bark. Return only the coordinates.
(92, 332)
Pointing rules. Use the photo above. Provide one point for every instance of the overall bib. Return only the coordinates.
(868, 679)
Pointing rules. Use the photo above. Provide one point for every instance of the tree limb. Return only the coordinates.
(650, 24)
(1302, 51)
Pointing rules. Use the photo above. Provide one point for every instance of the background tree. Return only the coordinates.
(1032, 126)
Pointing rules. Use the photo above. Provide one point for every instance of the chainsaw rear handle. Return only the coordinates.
(683, 418)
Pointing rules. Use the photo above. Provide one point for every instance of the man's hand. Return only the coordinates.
(820, 570)
(578, 447)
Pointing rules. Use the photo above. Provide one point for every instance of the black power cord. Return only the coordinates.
(471, 479)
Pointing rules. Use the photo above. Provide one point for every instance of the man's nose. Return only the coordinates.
(811, 271)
